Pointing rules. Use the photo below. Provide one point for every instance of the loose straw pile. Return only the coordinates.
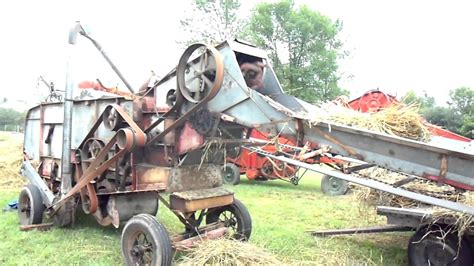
(426, 187)
(11, 154)
(396, 119)
(228, 252)
(460, 221)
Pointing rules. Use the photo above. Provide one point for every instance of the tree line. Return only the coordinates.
(11, 120)
(458, 114)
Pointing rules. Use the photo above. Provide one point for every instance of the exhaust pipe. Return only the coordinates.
(66, 167)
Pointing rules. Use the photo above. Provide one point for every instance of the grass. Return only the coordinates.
(281, 214)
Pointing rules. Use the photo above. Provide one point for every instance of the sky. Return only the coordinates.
(394, 45)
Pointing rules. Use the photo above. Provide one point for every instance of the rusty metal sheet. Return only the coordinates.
(149, 176)
(191, 177)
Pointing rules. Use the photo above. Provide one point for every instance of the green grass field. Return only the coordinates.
(281, 213)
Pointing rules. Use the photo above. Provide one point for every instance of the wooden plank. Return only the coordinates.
(42, 227)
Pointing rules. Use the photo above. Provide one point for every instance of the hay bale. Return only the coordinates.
(226, 251)
(396, 119)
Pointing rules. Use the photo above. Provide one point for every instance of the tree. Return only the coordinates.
(212, 21)
(462, 102)
(304, 48)
(467, 128)
(425, 102)
(10, 119)
(445, 118)
(458, 117)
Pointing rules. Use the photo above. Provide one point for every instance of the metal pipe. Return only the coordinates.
(66, 168)
(363, 230)
(107, 58)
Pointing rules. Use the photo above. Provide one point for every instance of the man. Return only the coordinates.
(253, 74)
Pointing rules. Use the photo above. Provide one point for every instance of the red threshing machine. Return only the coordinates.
(258, 167)
(117, 156)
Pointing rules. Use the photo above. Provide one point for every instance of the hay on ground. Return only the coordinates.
(226, 251)
(11, 156)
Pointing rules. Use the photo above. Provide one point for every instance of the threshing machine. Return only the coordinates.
(260, 167)
(118, 156)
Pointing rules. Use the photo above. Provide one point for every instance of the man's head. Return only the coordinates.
(253, 74)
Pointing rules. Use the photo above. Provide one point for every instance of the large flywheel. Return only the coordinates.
(200, 72)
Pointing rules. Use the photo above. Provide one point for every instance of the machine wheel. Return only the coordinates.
(333, 186)
(231, 174)
(235, 216)
(145, 241)
(433, 248)
(30, 205)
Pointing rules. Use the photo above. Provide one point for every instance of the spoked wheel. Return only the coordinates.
(231, 174)
(235, 216)
(333, 186)
(145, 241)
(30, 205)
(200, 72)
(436, 248)
(91, 149)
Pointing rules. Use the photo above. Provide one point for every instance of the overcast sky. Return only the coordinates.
(395, 45)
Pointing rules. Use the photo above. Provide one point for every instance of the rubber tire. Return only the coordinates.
(419, 244)
(244, 221)
(36, 205)
(148, 224)
(231, 174)
(328, 188)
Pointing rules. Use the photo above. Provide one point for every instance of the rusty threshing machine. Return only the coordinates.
(117, 157)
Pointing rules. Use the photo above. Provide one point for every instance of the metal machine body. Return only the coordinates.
(115, 155)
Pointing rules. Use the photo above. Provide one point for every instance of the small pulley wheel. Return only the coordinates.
(200, 72)
(171, 97)
(89, 153)
(112, 119)
(91, 150)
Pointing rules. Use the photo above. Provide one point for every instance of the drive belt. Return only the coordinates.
(181, 82)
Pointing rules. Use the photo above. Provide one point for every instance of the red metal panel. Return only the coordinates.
(189, 139)
(372, 101)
